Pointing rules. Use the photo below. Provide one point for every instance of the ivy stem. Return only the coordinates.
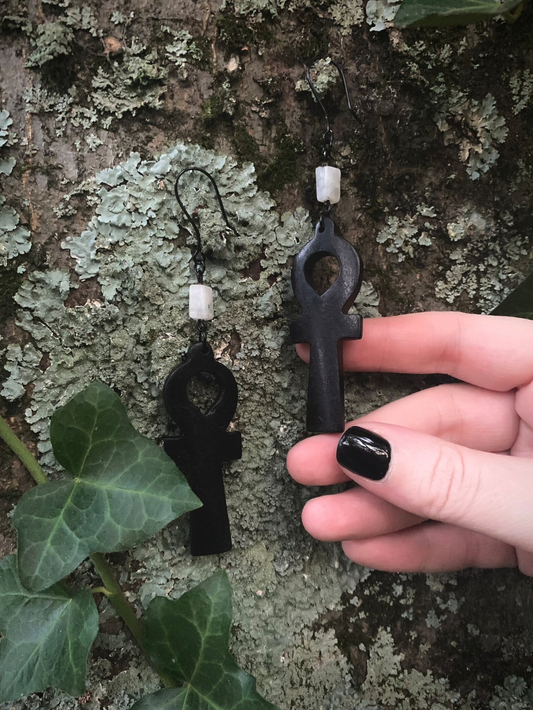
(111, 588)
(119, 600)
(513, 15)
(22, 452)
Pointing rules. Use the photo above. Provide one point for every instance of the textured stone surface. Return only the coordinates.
(436, 196)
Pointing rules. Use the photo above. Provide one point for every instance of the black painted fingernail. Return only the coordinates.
(364, 453)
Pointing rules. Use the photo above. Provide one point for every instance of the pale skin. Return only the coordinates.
(459, 489)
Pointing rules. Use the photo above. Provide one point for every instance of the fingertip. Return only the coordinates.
(303, 351)
(312, 516)
(377, 553)
(312, 461)
(296, 460)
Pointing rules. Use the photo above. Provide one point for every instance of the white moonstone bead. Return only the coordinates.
(328, 184)
(201, 302)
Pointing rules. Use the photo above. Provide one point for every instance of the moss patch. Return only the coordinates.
(283, 168)
(246, 147)
(236, 32)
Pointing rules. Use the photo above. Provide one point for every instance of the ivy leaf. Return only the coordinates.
(188, 638)
(47, 636)
(434, 13)
(124, 489)
(519, 303)
(167, 699)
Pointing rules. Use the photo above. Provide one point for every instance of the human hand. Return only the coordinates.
(453, 463)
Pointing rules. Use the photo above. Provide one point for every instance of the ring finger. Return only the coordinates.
(431, 547)
(354, 514)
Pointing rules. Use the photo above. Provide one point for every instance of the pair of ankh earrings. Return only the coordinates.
(204, 444)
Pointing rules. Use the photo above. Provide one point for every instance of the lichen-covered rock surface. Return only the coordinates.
(101, 104)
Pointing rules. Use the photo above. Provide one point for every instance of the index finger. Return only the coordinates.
(494, 352)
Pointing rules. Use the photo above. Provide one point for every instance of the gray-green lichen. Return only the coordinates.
(182, 49)
(251, 7)
(471, 123)
(5, 122)
(403, 236)
(522, 89)
(137, 81)
(388, 684)
(7, 165)
(381, 13)
(134, 262)
(39, 99)
(483, 267)
(23, 363)
(513, 695)
(14, 238)
(323, 75)
(134, 80)
(118, 18)
(51, 40)
(83, 18)
(484, 129)
(347, 14)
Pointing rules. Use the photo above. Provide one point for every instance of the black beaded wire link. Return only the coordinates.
(325, 213)
(199, 266)
(202, 331)
(328, 144)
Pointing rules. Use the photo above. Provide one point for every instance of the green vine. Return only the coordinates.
(22, 452)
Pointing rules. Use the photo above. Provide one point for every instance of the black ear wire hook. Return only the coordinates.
(198, 256)
(328, 135)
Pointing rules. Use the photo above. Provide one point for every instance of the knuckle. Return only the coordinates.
(448, 493)
(451, 348)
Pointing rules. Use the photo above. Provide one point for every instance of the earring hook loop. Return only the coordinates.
(328, 135)
(198, 256)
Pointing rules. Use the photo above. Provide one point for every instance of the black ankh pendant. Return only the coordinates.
(325, 322)
(204, 444)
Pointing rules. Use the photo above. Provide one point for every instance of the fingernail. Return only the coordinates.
(364, 453)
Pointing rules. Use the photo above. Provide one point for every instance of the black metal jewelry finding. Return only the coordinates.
(203, 444)
(325, 322)
(328, 134)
